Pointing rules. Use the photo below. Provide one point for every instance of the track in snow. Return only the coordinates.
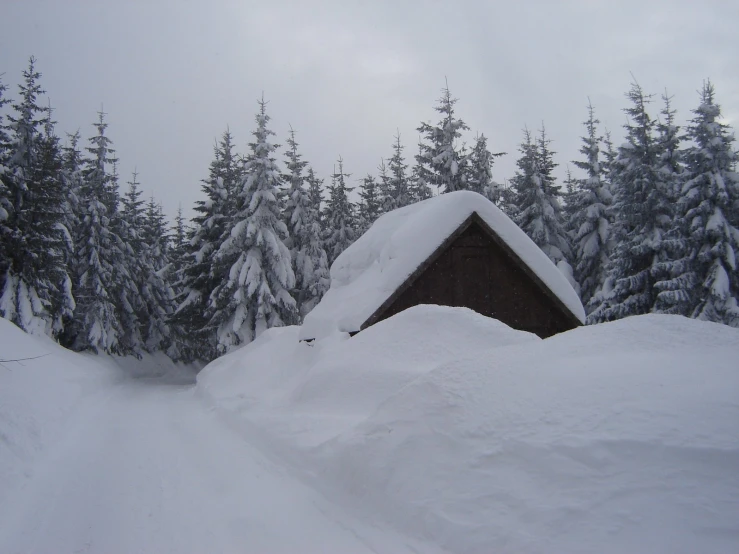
(144, 467)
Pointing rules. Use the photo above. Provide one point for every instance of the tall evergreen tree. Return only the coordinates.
(590, 215)
(156, 292)
(97, 325)
(669, 165)
(421, 177)
(703, 281)
(315, 195)
(385, 189)
(304, 235)
(399, 185)
(35, 291)
(441, 154)
(200, 273)
(256, 293)
(369, 208)
(340, 232)
(642, 217)
(480, 170)
(539, 212)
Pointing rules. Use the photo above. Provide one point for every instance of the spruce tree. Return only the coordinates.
(385, 189)
(589, 214)
(642, 218)
(441, 154)
(340, 232)
(35, 291)
(97, 325)
(539, 213)
(304, 235)
(256, 292)
(156, 292)
(399, 185)
(369, 208)
(315, 195)
(421, 177)
(702, 279)
(480, 170)
(200, 274)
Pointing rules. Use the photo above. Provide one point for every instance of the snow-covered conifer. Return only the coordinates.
(480, 170)
(369, 206)
(385, 189)
(256, 292)
(399, 184)
(421, 177)
(97, 325)
(156, 293)
(304, 235)
(703, 281)
(200, 275)
(590, 219)
(35, 291)
(539, 213)
(642, 215)
(340, 232)
(441, 153)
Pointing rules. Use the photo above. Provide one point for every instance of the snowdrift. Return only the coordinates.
(43, 390)
(619, 437)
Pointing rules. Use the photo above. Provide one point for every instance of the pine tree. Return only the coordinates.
(201, 274)
(703, 281)
(315, 195)
(670, 165)
(256, 293)
(156, 293)
(440, 152)
(296, 197)
(385, 189)
(369, 205)
(340, 232)
(304, 237)
(480, 170)
(642, 217)
(97, 325)
(421, 177)
(590, 219)
(399, 185)
(35, 293)
(539, 212)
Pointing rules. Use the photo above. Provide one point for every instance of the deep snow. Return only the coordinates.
(622, 437)
(93, 460)
(435, 430)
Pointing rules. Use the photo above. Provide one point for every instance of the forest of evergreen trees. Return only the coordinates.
(648, 226)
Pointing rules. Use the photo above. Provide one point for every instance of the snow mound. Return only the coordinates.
(276, 372)
(371, 269)
(619, 437)
(37, 394)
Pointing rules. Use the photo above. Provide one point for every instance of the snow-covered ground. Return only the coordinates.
(93, 460)
(437, 430)
(457, 430)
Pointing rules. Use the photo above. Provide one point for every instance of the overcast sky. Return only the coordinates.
(346, 74)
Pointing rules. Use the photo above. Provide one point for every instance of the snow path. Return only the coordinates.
(144, 467)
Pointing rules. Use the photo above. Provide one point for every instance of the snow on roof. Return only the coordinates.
(365, 275)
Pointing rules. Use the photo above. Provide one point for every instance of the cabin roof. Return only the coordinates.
(368, 273)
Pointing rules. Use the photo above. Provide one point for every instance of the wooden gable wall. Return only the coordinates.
(476, 272)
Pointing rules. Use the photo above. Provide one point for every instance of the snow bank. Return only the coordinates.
(372, 268)
(619, 437)
(38, 396)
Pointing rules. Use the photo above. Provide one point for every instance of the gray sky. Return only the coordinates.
(347, 74)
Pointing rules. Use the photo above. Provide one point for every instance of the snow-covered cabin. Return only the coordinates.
(456, 249)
